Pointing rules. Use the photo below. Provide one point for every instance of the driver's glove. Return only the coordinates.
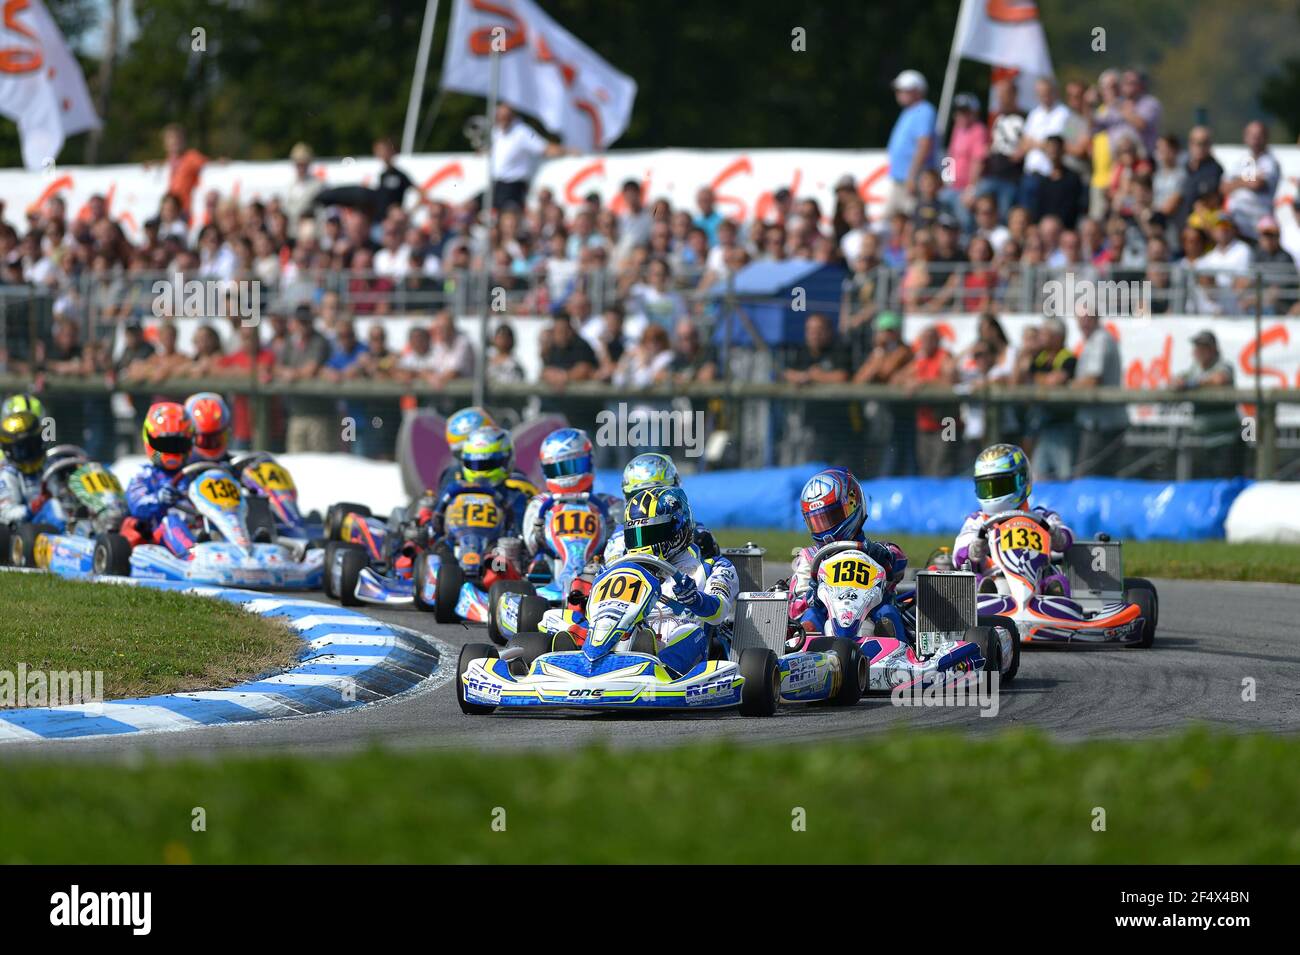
(1060, 539)
(977, 551)
(687, 593)
(168, 495)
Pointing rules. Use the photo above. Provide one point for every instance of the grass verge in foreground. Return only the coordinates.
(144, 641)
(917, 797)
(1201, 560)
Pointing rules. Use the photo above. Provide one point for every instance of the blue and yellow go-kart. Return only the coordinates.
(617, 667)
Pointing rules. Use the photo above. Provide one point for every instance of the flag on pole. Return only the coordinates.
(41, 86)
(1004, 33)
(546, 71)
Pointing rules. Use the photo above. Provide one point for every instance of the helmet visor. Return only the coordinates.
(172, 443)
(486, 462)
(827, 518)
(568, 467)
(651, 533)
(999, 485)
(210, 441)
(28, 449)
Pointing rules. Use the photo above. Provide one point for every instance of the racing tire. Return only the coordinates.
(1142, 592)
(261, 522)
(531, 611)
(996, 620)
(335, 514)
(447, 592)
(563, 643)
(332, 548)
(112, 556)
(853, 665)
(471, 651)
(762, 690)
(495, 592)
(534, 645)
(986, 638)
(353, 561)
(418, 570)
(5, 534)
(22, 543)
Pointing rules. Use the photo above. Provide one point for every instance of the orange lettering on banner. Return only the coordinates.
(1155, 375)
(740, 165)
(446, 172)
(17, 59)
(63, 182)
(1011, 11)
(586, 172)
(1247, 362)
(763, 204)
(874, 177)
(480, 41)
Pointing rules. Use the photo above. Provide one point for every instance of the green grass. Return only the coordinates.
(1202, 560)
(143, 641)
(917, 797)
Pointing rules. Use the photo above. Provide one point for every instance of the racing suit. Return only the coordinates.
(1062, 538)
(682, 641)
(21, 497)
(808, 608)
(149, 500)
(539, 507)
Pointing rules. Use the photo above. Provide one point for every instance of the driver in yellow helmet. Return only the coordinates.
(21, 497)
(487, 459)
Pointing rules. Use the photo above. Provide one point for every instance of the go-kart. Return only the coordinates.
(617, 667)
(370, 560)
(83, 500)
(944, 638)
(210, 525)
(453, 577)
(1086, 598)
(269, 489)
(574, 537)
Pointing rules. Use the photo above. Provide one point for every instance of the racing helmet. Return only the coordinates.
(16, 403)
(566, 461)
(658, 521)
(487, 456)
(22, 442)
(1002, 479)
(463, 423)
(832, 506)
(649, 470)
(212, 420)
(168, 435)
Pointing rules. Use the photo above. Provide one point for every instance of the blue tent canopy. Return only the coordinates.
(776, 320)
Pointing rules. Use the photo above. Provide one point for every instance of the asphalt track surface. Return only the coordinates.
(1214, 638)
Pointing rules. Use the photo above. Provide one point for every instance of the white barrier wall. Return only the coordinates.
(1265, 512)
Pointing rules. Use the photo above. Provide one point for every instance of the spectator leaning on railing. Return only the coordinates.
(1101, 426)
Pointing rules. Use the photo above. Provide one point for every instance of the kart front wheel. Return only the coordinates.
(352, 562)
(23, 544)
(534, 645)
(112, 557)
(332, 548)
(762, 689)
(5, 534)
(471, 651)
(1140, 591)
(446, 593)
(986, 638)
(996, 620)
(854, 668)
(498, 590)
(337, 512)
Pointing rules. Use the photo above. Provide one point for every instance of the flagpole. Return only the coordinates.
(417, 80)
(950, 74)
(480, 373)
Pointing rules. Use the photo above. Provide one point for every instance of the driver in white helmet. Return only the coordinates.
(1002, 484)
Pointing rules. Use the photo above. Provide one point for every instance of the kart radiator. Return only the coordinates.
(761, 620)
(1095, 570)
(945, 606)
(748, 561)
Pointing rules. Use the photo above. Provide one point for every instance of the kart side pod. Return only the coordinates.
(946, 606)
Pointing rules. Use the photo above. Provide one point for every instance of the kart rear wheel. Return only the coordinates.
(471, 651)
(327, 578)
(22, 543)
(337, 512)
(531, 611)
(996, 620)
(986, 638)
(762, 689)
(352, 561)
(447, 592)
(5, 534)
(495, 593)
(1140, 591)
(534, 645)
(112, 557)
(853, 666)
(418, 571)
(261, 521)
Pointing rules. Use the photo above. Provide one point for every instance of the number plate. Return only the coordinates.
(222, 492)
(849, 570)
(1020, 533)
(473, 510)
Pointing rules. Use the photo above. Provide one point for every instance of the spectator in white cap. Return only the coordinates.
(1049, 118)
(911, 141)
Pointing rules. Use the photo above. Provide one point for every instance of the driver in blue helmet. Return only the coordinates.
(1003, 484)
(569, 471)
(647, 470)
(658, 522)
(834, 510)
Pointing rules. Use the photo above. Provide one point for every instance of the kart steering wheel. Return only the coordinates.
(830, 550)
(195, 468)
(664, 568)
(998, 518)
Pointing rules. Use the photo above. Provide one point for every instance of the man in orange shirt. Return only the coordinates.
(936, 436)
(184, 166)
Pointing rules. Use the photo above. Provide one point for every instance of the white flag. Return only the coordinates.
(41, 86)
(546, 71)
(1004, 33)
